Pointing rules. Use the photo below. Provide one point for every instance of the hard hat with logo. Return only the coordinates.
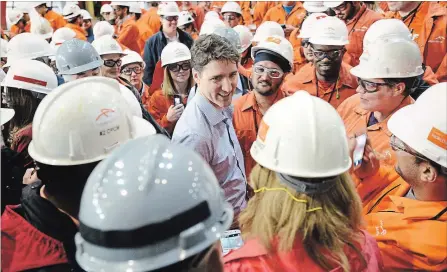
(230, 34)
(99, 120)
(329, 31)
(174, 52)
(103, 28)
(134, 7)
(185, 211)
(71, 11)
(32, 75)
(76, 56)
(107, 45)
(386, 28)
(310, 143)
(423, 125)
(40, 26)
(131, 57)
(27, 46)
(245, 36)
(106, 8)
(14, 16)
(184, 18)
(210, 25)
(314, 6)
(85, 14)
(231, 7)
(308, 25)
(267, 29)
(276, 44)
(6, 115)
(332, 4)
(390, 58)
(168, 9)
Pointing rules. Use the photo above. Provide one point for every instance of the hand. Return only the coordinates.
(174, 112)
(288, 30)
(370, 163)
(30, 176)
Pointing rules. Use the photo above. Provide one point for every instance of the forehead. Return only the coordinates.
(219, 67)
(321, 47)
(132, 65)
(111, 56)
(230, 13)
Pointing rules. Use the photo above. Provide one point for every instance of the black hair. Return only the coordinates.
(137, 16)
(442, 171)
(409, 83)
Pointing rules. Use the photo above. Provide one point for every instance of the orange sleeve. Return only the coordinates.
(129, 36)
(246, 14)
(155, 23)
(368, 188)
(429, 76)
(441, 73)
(200, 17)
(269, 16)
(146, 98)
(60, 22)
(246, 72)
(14, 31)
(158, 110)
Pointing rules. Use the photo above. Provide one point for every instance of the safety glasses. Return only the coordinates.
(398, 145)
(170, 18)
(304, 42)
(229, 17)
(271, 72)
(128, 71)
(341, 7)
(333, 54)
(112, 63)
(370, 87)
(175, 67)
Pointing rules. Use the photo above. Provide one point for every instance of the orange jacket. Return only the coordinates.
(56, 20)
(411, 234)
(194, 35)
(152, 19)
(16, 30)
(145, 33)
(298, 56)
(253, 256)
(357, 28)
(260, 9)
(356, 119)
(81, 34)
(129, 35)
(158, 108)
(305, 79)
(246, 12)
(279, 15)
(429, 27)
(246, 120)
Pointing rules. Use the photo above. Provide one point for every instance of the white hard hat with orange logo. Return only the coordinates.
(276, 44)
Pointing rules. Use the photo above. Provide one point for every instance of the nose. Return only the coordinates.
(227, 85)
(360, 89)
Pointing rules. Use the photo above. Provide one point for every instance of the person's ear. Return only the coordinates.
(196, 76)
(428, 173)
(399, 88)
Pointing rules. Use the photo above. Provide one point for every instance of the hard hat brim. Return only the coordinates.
(142, 127)
(6, 115)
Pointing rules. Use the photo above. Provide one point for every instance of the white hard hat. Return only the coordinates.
(308, 25)
(32, 75)
(184, 18)
(103, 28)
(120, 3)
(99, 119)
(168, 9)
(106, 8)
(332, 4)
(267, 29)
(390, 58)
(38, 3)
(40, 26)
(107, 45)
(230, 34)
(14, 16)
(211, 14)
(423, 125)
(245, 36)
(3, 48)
(27, 46)
(174, 52)
(210, 25)
(231, 7)
(61, 35)
(132, 101)
(184, 208)
(71, 11)
(6, 115)
(85, 14)
(310, 143)
(76, 56)
(329, 31)
(314, 6)
(276, 44)
(134, 7)
(386, 28)
(132, 57)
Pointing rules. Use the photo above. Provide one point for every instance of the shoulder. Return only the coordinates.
(240, 102)
(372, 16)
(348, 106)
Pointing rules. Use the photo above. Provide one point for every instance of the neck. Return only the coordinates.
(181, 87)
(139, 85)
(354, 11)
(437, 191)
(265, 102)
(170, 34)
(382, 115)
(328, 78)
(70, 212)
(408, 9)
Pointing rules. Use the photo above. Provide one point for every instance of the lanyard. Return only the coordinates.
(358, 19)
(332, 92)
(413, 15)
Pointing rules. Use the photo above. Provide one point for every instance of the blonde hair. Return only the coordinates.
(275, 215)
(168, 87)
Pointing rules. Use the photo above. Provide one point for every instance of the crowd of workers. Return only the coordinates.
(134, 141)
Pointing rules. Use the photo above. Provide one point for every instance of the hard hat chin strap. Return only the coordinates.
(307, 188)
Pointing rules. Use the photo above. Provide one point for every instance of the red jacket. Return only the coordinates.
(254, 257)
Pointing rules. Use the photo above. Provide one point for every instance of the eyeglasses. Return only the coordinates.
(170, 18)
(304, 42)
(342, 7)
(175, 67)
(333, 54)
(229, 17)
(271, 72)
(370, 87)
(128, 71)
(398, 145)
(112, 63)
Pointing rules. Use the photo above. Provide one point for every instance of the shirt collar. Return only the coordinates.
(308, 74)
(212, 114)
(250, 101)
(417, 210)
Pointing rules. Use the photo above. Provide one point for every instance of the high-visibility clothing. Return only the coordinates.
(246, 121)
(429, 76)
(145, 33)
(145, 97)
(158, 108)
(333, 93)
(411, 234)
(152, 19)
(81, 34)
(129, 35)
(15, 30)
(428, 25)
(295, 18)
(357, 28)
(253, 256)
(299, 60)
(246, 12)
(260, 9)
(356, 120)
(56, 20)
(194, 35)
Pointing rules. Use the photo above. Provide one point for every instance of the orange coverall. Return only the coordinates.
(294, 18)
(260, 9)
(152, 19)
(81, 34)
(145, 33)
(56, 20)
(129, 35)
(299, 60)
(158, 108)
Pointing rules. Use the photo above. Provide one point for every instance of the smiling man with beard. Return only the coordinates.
(327, 76)
(273, 59)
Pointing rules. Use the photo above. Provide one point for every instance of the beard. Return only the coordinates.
(264, 91)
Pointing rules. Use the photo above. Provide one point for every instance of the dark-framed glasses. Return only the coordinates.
(112, 63)
(175, 67)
